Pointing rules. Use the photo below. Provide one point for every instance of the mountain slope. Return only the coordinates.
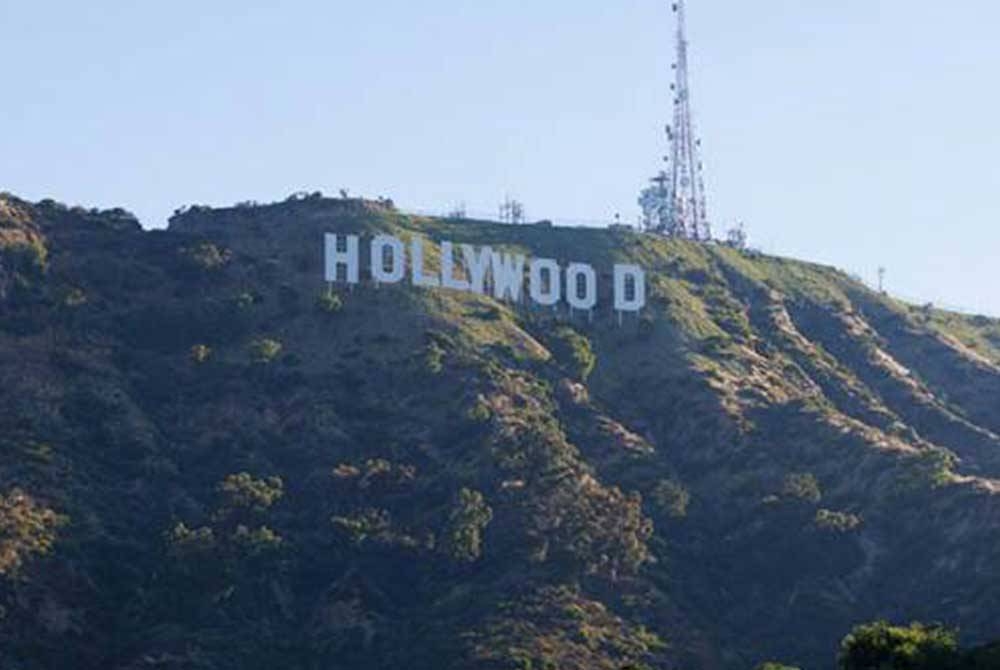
(212, 461)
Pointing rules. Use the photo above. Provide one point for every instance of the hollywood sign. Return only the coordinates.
(483, 271)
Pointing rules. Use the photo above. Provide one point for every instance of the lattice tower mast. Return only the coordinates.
(688, 178)
(676, 204)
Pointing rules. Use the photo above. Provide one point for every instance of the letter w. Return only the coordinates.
(508, 276)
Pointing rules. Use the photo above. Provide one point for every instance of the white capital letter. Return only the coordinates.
(630, 288)
(542, 294)
(476, 265)
(335, 258)
(388, 251)
(508, 276)
(417, 258)
(581, 286)
(448, 279)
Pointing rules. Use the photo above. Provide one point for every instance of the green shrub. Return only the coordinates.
(265, 350)
(243, 491)
(672, 498)
(374, 526)
(74, 297)
(838, 522)
(26, 528)
(802, 486)
(434, 358)
(935, 466)
(329, 302)
(27, 258)
(376, 473)
(468, 519)
(206, 256)
(480, 412)
(574, 351)
(200, 353)
(233, 533)
(184, 541)
(245, 301)
(255, 541)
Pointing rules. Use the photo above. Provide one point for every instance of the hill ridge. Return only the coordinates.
(770, 453)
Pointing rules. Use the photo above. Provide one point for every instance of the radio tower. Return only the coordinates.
(675, 203)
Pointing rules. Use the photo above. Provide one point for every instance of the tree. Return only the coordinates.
(881, 646)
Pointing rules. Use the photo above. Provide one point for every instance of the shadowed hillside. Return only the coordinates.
(211, 459)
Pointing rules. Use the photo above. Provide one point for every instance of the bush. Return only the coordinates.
(374, 526)
(206, 256)
(802, 486)
(27, 258)
(26, 528)
(329, 302)
(434, 358)
(245, 301)
(200, 353)
(243, 491)
(265, 350)
(480, 412)
(935, 466)
(574, 351)
(838, 522)
(184, 541)
(74, 297)
(467, 521)
(672, 498)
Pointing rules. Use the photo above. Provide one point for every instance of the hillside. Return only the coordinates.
(211, 459)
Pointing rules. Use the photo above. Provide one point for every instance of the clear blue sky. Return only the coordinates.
(858, 133)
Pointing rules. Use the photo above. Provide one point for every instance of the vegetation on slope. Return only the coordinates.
(212, 459)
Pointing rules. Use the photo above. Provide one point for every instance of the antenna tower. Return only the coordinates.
(675, 203)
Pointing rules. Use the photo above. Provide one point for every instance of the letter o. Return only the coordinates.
(388, 248)
(581, 286)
